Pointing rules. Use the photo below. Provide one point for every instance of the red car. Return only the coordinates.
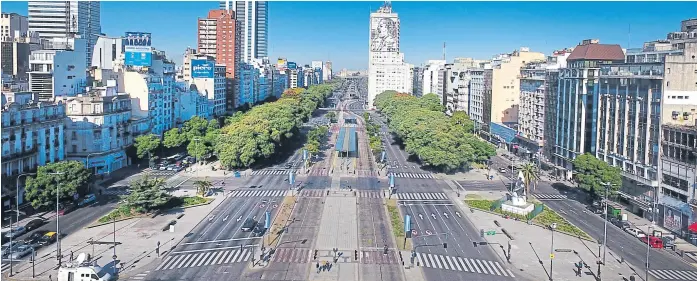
(66, 208)
(654, 242)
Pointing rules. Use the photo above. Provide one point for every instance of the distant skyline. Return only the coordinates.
(338, 31)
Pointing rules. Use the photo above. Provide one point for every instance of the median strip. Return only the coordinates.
(397, 223)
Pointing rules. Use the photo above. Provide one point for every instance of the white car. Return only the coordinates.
(635, 232)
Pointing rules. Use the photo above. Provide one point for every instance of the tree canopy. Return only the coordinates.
(260, 132)
(591, 173)
(436, 139)
(147, 194)
(40, 190)
(146, 144)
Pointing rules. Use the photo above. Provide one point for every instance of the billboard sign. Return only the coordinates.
(138, 50)
(202, 69)
(292, 65)
(672, 220)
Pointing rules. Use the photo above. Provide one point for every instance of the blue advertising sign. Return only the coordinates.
(382, 157)
(291, 178)
(305, 154)
(137, 47)
(267, 220)
(292, 65)
(392, 180)
(202, 69)
(407, 224)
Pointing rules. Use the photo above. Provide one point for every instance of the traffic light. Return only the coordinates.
(385, 250)
(481, 233)
(315, 256)
(445, 245)
(355, 254)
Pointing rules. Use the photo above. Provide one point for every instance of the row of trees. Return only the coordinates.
(443, 142)
(592, 173)
(198, 134)
(373, 131)
(315, 138)
(260, 132)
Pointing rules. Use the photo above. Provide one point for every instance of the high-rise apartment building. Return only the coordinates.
(216, 38)
(252, 28)
(61, 19)
(386, 67)
(578, 103)
(13, 25)
(59, 69)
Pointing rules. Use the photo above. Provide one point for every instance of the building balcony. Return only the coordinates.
(18, 155)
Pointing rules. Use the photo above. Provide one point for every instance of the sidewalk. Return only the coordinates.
(681, 246)
(138, 238)
(531, 251)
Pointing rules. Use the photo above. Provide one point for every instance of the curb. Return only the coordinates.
(145, 215)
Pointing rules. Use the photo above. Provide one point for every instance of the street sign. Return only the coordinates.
(275, 206)
(551, 256)
(267, 220)
(407, 223)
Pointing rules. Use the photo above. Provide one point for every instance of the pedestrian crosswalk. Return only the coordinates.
(378, 257)
(461, 264)
(549, 196)
(670, 274)
(413, 175)
(421, 196)
(319, 172)
(196, 259)
(371, 194)
(272, 172)
(139, 276)
(259, 193)
(291, 255)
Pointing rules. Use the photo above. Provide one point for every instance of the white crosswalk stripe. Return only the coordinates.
(259, 193)
(272, 172)
(670, 274)
(371, 194)
(463, 264)
(547, 196)
(205, 259)
(413, 175)
(421, 196)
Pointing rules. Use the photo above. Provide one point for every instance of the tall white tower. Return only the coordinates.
(386, 68)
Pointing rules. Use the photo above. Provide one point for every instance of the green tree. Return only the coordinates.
(460, 118)
(203, 186)
(147, 194)
(146, 144)
(531, 174)
(173, 138)
(366, 116)
(195, 127)
(590, 174)
(331, 115)
(41, 189)
(198, 149)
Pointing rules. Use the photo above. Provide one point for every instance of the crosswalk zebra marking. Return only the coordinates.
(204, 259)
(669, 274)
(259, 193)
(462, 264)
(413, 175)
(548, 196)
(422, 196)
(190, 262)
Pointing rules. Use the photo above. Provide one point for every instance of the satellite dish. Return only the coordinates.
(82, 258)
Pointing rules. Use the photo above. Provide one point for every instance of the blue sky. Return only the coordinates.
(338, 31)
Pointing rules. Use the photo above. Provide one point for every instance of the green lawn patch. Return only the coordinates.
(544, 218)
(397, 224)
(472, 196)
(547, 217)
(123, 211)
(479, 203)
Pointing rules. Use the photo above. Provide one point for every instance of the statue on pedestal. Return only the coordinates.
(517, 191)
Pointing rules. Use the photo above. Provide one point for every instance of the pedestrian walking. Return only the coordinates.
(49, 278)
(317, 267)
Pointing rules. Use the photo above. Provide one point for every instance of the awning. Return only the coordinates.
(692, 227)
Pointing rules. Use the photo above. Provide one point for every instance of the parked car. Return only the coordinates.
(34, 238)
(502, 170)
(7, 248)
(621, 224)
(48, 238)
(162, 167)
(65, 208)
(635, 232)
(34, 224)
(21, 251)
(15, 232)
(89, 199)
(668, 242)
(653, 241)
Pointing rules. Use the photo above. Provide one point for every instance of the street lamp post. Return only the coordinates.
(17, 194)
(648, 250)
(607, 187)
(197, 139)
(553, 226)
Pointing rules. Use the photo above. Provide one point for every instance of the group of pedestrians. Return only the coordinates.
(325, 266)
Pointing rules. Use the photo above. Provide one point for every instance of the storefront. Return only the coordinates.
(503, 135)
(679, 218)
